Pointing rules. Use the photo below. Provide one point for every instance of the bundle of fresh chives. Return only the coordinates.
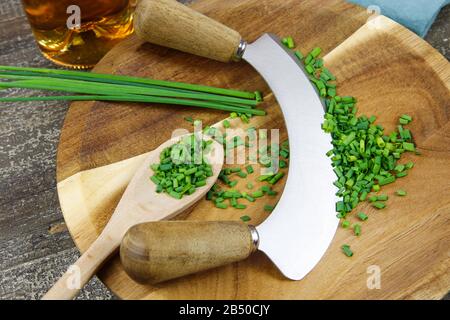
(93, 86)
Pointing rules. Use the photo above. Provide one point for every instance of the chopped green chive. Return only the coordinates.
(402, 174)
(257, 194)
(233, 183)
(379, 205)
(408, 146)
(386, 180)
(175, 195)
(403, 121)
(288, 42)
(258, 96)
(309, 58)
(315, 52)
(276, 178)
(242, 174)
(362, 216)
(340, 206)
(249, 169)
(401, 192)
(409, 165)
(155, 180)
(265, 177)
(405, 118)
(345, 224)
(249, 198)
(246, 218)
(268, 208)
(299, 55)
(221, 205)
(309, 69)
(284, 153)
(228, 194)
(219, 200)
(357, 230)
(200, 183)
(346, 250)
(363, 196)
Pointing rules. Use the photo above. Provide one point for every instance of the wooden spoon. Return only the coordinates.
(140, 203)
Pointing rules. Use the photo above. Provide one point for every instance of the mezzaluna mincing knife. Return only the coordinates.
(298, 232)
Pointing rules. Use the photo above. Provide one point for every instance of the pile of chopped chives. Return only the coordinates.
(224, 194)
(182, 167)
(86, 86)
(363, 156)
(231, 197)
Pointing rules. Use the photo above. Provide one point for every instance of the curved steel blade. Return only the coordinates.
(300, 229)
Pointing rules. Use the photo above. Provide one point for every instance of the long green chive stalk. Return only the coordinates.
(92, 86)
(107, 78)
(112, 89)
(127, 98)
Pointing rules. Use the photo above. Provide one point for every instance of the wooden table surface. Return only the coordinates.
(35, 246)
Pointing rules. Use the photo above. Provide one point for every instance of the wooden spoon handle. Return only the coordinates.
(171, 24)
(158, 251)
(78, 274)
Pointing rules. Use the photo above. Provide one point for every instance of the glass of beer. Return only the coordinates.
(78, 33)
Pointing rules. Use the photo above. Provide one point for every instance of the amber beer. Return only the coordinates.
(78, 33)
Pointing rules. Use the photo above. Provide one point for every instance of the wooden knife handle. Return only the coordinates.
(158, 251)
(171, 24)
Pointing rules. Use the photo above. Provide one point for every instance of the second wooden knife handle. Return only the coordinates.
(171, 24)
(158, 251)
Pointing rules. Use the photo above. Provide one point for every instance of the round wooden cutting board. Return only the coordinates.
(389, 69)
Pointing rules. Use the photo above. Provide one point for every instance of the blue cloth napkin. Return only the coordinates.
(417, 15)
